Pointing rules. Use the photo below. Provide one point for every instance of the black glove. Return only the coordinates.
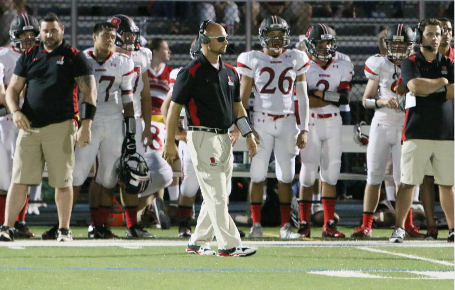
(129, 144)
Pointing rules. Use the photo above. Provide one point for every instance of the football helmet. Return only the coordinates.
(22, 23)
(360, 137)
(195, 48)
(399, 39)
(274, 23)
(314, 35)
(125, 24)
(133, 173)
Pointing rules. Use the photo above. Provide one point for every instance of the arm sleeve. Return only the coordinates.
(304, 104)
(182, 87)
(21, 69)
(81, 66)
(409, 71)
(302, 64)
(372, 67)
(245, 64)
(127, 77)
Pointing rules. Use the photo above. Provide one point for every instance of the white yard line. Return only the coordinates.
(135, 244)
(407, 256)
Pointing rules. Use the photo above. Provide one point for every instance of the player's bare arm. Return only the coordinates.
(172, 121)
(2, 95)
(13, 92)
(87, 86)
(370, 94)
(239, 111)
(146, 109)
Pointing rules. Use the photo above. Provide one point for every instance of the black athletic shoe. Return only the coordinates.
(137, 232)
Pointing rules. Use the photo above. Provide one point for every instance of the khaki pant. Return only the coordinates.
(211, 155)
(53, 145)
(417, 155)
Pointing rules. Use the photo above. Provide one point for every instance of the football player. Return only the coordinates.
(272, 74)
(127, 41)
(383, 73)
(113, 73)
(24, 31)
(329, 85)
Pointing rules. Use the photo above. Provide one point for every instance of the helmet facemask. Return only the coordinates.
(397, 51)
(275, 43)
(317, 50)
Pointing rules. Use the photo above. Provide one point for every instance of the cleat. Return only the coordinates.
(329, 230)
(237, 252)
(361, 232)
(450, 237)
(242, 234)
(255, 231)
(51, 234)
(304, 230)
(64, 235)
(22, 231)
(103, 232)
(6, 234)
(199, 250)
(91, 231)
(163, 219)
(136, 231)
(414, 233)
(184, 228)
(397, 235)
(287, 233)
(432, 233)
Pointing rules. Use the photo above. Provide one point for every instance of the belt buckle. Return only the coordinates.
(217, 131)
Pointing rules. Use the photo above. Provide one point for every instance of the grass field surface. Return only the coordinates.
(163, 264)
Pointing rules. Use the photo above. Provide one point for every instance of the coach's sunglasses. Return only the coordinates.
(219, 38)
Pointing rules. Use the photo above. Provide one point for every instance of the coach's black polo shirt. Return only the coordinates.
(207, 93)
(432, 117)
(52, 94)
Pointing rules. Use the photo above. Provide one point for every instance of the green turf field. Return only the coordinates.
(163, 264)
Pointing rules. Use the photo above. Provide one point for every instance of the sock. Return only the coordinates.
(21, 216)
(2, 209)
(256, 212)
(305, 210)
(367, 219)
(103, 213)
(408, 224)
(184, 212)
(390, 192)
(316, 197)
(173, 192)
(285, 213)
(131, 216)
(94, 216)
(329, 204)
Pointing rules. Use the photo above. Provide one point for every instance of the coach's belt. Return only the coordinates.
(276, 117)
(324, 116)
(210, 130)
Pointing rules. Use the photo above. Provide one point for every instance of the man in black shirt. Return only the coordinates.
(53, 72)
(209, 90)
(428, 136)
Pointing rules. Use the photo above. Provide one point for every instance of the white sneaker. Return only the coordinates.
(287, 233)
(237, 252)
(203, 251)
(316, 207)
(64, 235)
(397, 235)
(255, 231)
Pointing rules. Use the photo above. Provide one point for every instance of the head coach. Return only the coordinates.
(210, 91)
(51, 73)
(428, 133)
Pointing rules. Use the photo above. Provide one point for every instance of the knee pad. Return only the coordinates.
(258, 171)
(331, 174)
(308, 174)
(374, 177)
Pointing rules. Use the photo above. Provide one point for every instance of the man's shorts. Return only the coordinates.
(415, 156)
(53, 145)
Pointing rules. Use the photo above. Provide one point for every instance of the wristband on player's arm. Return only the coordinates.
(331, 97)
(87, 111)
(371, 103)
(244, 126)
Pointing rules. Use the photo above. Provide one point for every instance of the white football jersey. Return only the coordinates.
(274, 78)
(379, 67)
(173, 76)
(2, 69)
(8, 57)
(141, 64)
(113, 76)
(336, 76)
